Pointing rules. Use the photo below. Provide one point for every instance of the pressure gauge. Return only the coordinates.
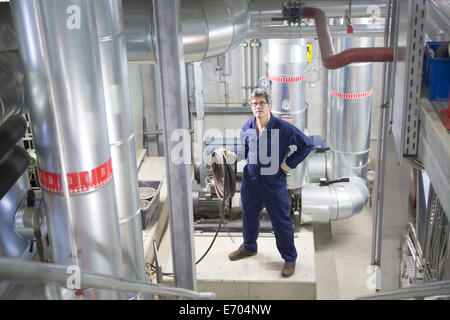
(264, 82)
(286, 105)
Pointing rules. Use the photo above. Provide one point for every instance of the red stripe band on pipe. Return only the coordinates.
(286, 118)
(351, 95)
(79, 182)
(287, 79)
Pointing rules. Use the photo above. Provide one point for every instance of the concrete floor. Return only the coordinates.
(342, 257)
(257, 277)
(333, 263)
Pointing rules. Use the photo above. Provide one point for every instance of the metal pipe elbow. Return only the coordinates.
(331, 60)
(335, 202)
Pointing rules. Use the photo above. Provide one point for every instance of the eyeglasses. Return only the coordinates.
(261, 103)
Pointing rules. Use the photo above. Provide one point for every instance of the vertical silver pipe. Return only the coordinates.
(351, 90)
(175, 109)
(383, 129)
(255, 47)
(243, 50)
(287, 71)
(121, 133)
(249, 70)
(59, 50)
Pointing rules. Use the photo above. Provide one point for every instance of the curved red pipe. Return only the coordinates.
(334, 61)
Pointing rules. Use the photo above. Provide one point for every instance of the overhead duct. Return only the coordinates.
(121, 133)
(210, 28)
(71, 134)
(294, 32)
(287, 69)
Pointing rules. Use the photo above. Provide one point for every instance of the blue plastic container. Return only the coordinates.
(436, 73)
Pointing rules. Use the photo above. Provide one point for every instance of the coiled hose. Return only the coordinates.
(225, 187)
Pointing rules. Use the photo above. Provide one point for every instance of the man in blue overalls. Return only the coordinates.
(265, 143)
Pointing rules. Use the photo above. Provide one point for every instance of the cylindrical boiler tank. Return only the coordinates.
(287, 71)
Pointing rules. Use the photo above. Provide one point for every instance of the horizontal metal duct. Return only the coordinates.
(286, 32)
(210, 28)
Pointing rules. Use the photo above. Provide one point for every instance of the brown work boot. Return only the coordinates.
(288, 269)
(240, 253)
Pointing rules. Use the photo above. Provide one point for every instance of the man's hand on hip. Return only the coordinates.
(285, 167)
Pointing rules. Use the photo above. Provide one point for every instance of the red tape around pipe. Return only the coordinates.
(287, 79)
(78, 181)
(351, 95)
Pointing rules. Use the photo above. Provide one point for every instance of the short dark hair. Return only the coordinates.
(260, 92)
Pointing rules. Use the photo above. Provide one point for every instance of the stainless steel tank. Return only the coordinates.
(287, 69)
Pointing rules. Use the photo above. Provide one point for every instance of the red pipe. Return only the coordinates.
(334, 61)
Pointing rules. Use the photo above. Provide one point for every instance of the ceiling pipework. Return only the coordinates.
(262, 11)
(210, 28)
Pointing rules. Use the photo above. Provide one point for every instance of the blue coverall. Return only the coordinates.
(259, 188)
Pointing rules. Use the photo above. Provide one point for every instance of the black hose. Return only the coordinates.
(225, 189)
(225, 186)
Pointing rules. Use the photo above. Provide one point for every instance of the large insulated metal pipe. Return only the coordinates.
(210, 28)
(350, 105)
(113, 57)
(287, 70)
(12, 96)
(293, 32)
(59, 50)
(334, 202)
(331, 60)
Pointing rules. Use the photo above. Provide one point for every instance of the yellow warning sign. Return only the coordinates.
(308, 56)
